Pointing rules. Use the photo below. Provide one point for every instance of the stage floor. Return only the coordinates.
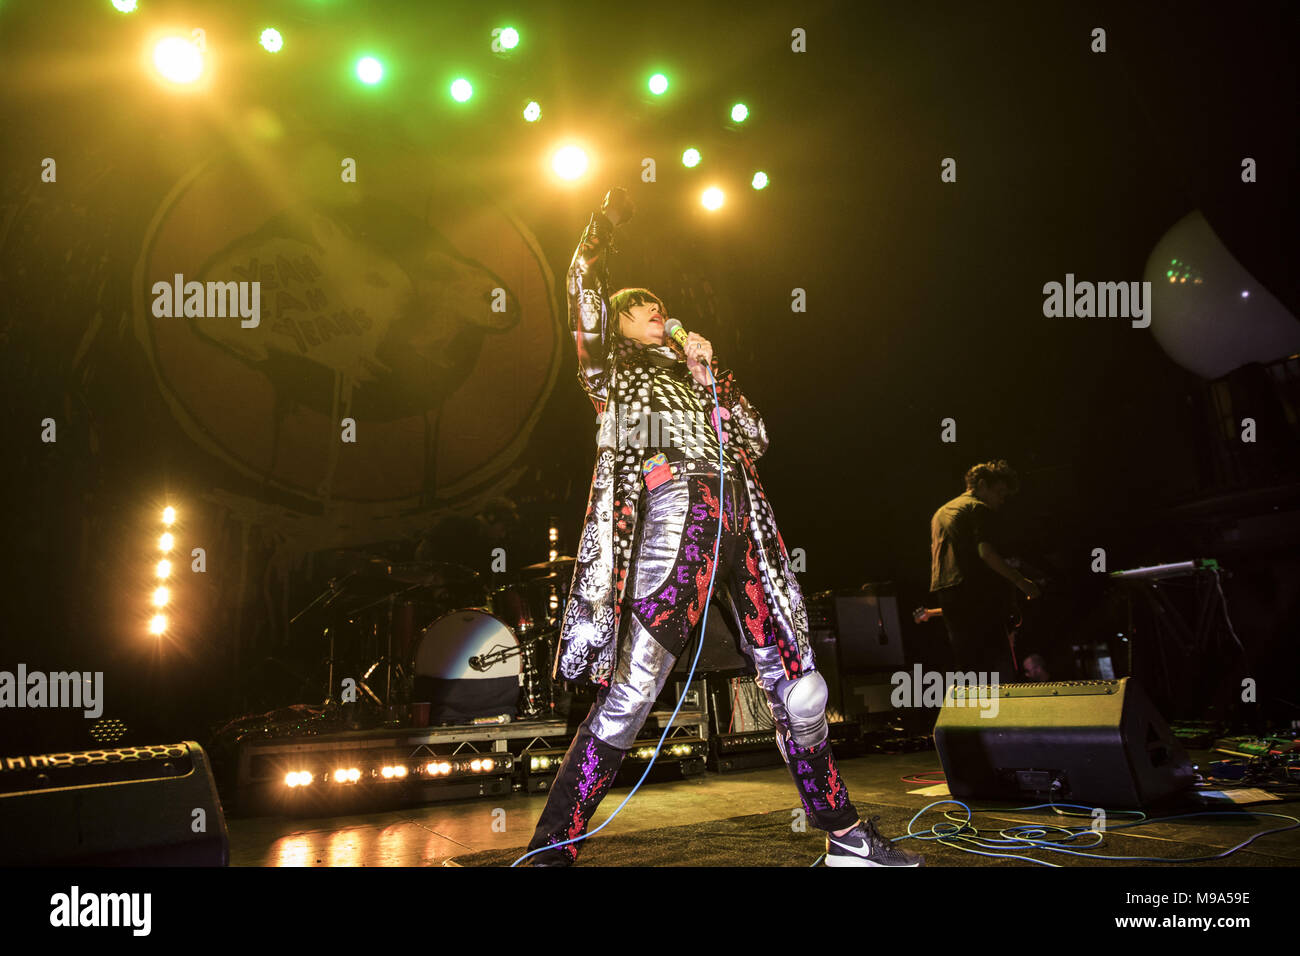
(447, 833)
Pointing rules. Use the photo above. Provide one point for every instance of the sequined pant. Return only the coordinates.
(669, 578)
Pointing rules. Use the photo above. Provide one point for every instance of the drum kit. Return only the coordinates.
(436, 633)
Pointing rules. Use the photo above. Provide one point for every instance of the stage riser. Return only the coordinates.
(671, 770)
(262, 764)
(730, 763)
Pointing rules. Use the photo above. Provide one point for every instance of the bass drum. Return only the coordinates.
(457, 692)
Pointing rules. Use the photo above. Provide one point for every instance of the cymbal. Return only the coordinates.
(342, 561)
(558, 564)
(365, 586)
(431, 573)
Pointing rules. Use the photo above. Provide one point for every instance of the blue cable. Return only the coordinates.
(1030, 836)
(708, 598)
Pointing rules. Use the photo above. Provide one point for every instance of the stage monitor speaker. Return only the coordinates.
(129, 806)
(1095, 742)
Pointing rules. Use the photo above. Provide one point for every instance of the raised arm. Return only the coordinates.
(588, 306)
(589, 316)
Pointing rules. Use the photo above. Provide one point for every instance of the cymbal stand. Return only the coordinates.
(331, 593)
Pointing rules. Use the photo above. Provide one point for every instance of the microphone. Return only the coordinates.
(678, 334)
(674, 329)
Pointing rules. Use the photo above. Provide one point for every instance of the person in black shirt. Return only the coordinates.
(969, 576)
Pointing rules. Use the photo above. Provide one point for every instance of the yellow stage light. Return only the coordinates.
(177, 59)
(569, 162)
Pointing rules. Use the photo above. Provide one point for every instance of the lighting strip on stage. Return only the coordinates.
(340, 774)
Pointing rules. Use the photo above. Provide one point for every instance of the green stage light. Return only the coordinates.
(658, 84)
(509, 38)
(124, 6)
(369, 70)
(461, 90)
(533, 112)
(760, 180)
(739, 113)
(271, 40)
(691, 158)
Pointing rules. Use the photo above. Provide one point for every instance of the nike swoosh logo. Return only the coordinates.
(859, 850)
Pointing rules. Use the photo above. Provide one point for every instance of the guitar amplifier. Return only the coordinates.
(857, 643)
(722, 642)
(865, 624)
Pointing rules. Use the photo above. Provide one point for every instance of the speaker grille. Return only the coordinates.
(1065, 688)
(39, 771)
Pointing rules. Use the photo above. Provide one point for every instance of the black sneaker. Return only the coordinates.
(864, 846)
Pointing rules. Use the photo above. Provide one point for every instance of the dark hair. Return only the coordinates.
(624, 299)
(994, 472)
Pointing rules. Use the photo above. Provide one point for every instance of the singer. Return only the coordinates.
(646, 555)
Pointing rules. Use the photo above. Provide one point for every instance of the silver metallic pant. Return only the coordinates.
(675, 539)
